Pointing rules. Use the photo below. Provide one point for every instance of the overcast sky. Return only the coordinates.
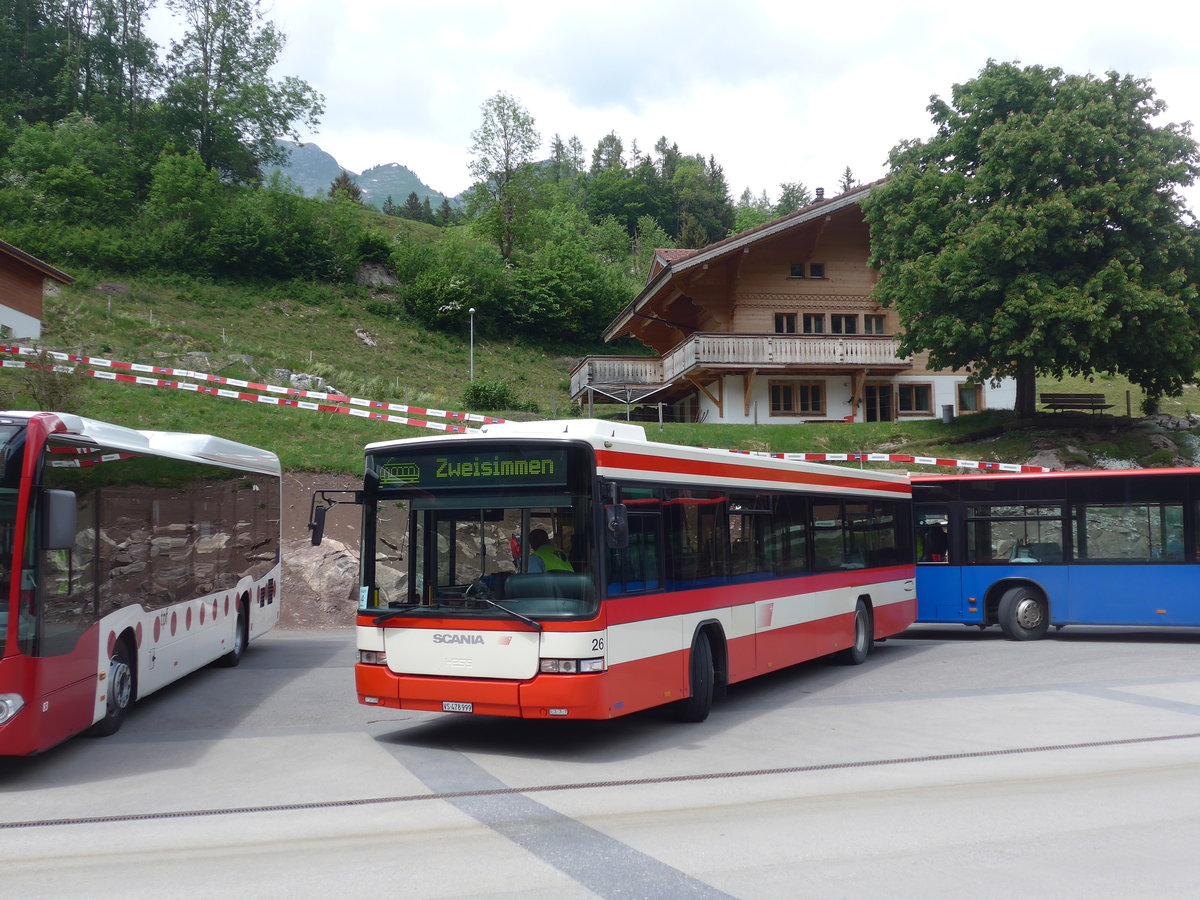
(775, 90)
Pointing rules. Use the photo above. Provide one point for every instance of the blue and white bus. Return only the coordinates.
(1030, 551)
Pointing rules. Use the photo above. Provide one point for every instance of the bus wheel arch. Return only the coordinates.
(863, 638)
(120, 685)
(1023, 612)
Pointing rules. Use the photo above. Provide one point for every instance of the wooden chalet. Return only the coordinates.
(22, 286)
(774, 325)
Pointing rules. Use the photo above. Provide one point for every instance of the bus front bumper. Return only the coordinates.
(542, 697)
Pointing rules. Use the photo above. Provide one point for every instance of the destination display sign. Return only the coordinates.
(540, 466)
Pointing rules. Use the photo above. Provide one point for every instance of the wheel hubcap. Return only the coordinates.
(120, 684)
(1029, 613)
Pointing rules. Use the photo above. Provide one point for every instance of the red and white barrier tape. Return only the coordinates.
(242, 395)
(900, 458)
(251, 385)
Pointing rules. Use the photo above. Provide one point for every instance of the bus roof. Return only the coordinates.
(179, 445)
(1050, 476)
(622, 450)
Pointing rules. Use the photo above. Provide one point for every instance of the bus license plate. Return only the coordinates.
(455, 706)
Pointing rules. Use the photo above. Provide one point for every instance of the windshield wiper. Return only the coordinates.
(393, 613)
(417, 607)
(532, 623)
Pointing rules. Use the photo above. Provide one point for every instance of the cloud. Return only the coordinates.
(773, 89)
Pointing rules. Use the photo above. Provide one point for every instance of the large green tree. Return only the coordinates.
(1040, 231)
(64, 56)
(502, 149)
(220, 99)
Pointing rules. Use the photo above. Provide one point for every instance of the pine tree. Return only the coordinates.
(412, 207)
(343, 187)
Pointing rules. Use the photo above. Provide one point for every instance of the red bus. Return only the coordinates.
(127, 559)
(576, 570)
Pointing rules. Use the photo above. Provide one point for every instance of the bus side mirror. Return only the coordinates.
(322, 503)
(58, 520)
(317, 525)
(616, 527)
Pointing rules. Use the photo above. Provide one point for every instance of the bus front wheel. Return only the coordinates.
(702, 677)
(1024, 614)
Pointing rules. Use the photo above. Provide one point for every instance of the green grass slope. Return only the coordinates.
(251, 332)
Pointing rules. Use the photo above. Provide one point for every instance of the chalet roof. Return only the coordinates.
(669, 263)
(34, 263)
(669, 256)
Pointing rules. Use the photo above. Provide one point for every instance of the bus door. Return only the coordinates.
(940, 596)
(57, 625)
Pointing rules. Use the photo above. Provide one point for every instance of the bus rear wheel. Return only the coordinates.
(240, 639)
(702, 677)
(1024, 614)
(120, 692)
(864, 637)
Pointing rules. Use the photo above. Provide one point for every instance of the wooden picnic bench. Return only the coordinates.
(1085, 402)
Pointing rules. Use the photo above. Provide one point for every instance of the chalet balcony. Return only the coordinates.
(709, 355)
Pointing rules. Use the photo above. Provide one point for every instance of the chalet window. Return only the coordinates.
(783, 399)
(815, 270)
(970, 398)
(843, 324)
(874, 324)
(915, 399)
(797, 398)
(814, 323)
(785, 323)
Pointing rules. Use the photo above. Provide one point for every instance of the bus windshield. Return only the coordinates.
(501, 532)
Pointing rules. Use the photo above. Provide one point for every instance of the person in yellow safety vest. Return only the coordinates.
(544, 556)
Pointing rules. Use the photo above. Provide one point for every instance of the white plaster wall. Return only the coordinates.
(19, 324)
(837, 398)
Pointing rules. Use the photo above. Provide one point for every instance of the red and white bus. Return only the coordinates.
(576, 570)
(127, 559)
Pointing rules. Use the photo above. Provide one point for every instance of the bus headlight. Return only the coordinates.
(372, 657)
(570, 666)
(10, 705)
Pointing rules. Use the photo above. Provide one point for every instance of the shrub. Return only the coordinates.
(494, 396)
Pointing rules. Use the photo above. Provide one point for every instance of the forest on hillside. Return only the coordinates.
(121, 156)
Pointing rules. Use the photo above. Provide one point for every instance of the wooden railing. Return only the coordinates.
(737, 351)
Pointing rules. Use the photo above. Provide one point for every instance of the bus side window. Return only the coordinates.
(635, 568)
(829, 547)
(933, 535)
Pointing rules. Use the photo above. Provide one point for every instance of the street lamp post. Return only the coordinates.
(472, 312)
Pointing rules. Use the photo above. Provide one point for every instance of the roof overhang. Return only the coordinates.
(47, 270)
(729, 246)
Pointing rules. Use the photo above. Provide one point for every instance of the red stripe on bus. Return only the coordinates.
(624, 609)
(656, 466)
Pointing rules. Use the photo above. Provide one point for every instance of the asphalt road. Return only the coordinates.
(952, 763)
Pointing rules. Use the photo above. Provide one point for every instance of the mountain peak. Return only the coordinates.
(313, 170)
